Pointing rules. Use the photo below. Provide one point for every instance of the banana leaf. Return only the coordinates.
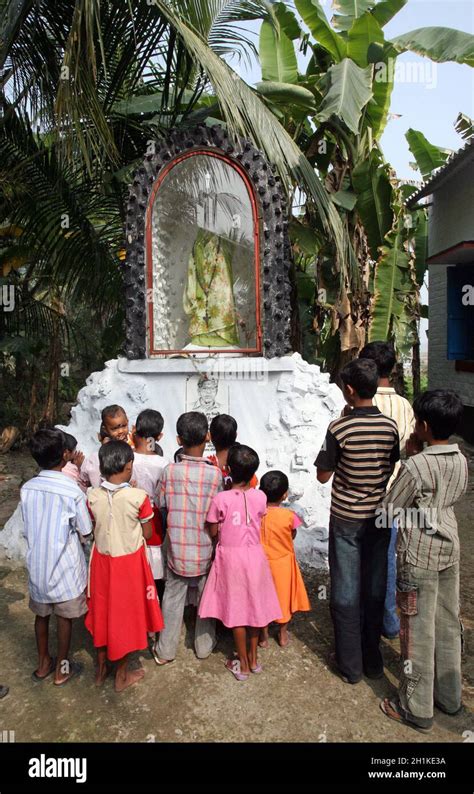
(392, 286)
(277, 55)
(439, 44)
(364, 33)
(289, 94)
(386, 10)
(349, 10)
(313, 15)
(464, 126)
(427, 156)
(371, 182)
(350, 89)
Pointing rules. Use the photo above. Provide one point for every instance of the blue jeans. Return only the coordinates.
(358, 570)
(391, 621)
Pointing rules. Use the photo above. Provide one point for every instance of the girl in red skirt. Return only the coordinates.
(122, 598)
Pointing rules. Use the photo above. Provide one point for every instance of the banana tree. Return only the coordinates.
(337, 111)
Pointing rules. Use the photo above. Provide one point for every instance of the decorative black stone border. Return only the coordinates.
(276, 262)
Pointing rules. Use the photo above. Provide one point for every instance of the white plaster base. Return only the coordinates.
(282, 407)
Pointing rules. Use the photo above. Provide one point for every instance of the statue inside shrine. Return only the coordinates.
(203, 257)
(208, 298)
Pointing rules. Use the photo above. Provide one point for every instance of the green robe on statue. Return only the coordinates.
(208, 297)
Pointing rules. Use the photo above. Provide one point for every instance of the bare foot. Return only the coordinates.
(101, 674)
(283, 638)
(263, 638)
(131, 677)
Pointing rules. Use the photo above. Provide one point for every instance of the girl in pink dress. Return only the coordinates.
(239, 590)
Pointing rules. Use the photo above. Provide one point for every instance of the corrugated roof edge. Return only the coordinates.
(443, 173)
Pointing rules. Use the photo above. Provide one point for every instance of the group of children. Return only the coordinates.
(205, 531)
(163, 533)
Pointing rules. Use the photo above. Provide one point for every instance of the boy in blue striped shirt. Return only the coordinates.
(54, 514)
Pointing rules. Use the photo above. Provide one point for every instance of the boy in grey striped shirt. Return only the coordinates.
(422, 499)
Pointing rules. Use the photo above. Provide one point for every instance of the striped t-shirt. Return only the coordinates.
(54, 515)
(361, 449)
(422, 501)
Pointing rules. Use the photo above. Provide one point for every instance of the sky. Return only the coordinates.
(427, 96)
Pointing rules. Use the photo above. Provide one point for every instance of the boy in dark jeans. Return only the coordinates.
(422, 499)
(360, 450)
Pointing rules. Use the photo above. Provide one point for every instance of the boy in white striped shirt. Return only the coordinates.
(398, 408)
(54, 514)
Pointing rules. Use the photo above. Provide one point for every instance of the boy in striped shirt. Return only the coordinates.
(422, 499)
(360, 451)
(396, 407)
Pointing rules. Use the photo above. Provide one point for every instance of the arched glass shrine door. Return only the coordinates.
(203, 257)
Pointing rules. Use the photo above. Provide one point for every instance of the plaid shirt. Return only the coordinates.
(186, 491)
(421, 500)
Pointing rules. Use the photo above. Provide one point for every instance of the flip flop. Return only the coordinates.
(391, 710)
(233, 666)
(52, 668)
(76, 670)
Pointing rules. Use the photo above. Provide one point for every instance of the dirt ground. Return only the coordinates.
(296, 699)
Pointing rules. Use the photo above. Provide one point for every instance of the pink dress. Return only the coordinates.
(239, 590)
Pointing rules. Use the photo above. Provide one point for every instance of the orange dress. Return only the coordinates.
(277, 540)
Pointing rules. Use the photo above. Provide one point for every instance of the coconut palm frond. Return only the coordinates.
(72, 229)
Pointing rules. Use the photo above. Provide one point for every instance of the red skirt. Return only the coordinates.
(123, 603)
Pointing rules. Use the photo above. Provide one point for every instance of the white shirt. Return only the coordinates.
(398, 408)
(54, 514)
(147, 471)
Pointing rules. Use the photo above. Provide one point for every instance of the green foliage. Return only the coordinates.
(392, 286)
(313, 15)
(439, 44)
(465, 127)
(371, 182)
(364, 33)
(427, 156)
(277, 55)
(350, 88)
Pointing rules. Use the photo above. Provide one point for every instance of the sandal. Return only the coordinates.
(257, 669)
(233, 666)
(391, 710)
(51, 670)
(154, 653)
(76, 669)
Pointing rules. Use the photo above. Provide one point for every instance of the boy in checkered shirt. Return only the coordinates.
(186, 491)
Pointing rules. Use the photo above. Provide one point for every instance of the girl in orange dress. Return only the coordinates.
(278, 530)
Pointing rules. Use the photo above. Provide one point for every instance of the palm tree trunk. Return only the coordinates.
(416, 369)
(51, 404)
(398, 379)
